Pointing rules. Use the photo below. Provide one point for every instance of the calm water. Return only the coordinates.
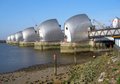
(13, 57)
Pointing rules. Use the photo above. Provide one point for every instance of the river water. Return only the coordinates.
(13, 57)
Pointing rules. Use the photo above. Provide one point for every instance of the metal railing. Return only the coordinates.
(108, 32)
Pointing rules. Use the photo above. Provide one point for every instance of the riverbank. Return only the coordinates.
(42, 73)
(104, 69)
(37, 75)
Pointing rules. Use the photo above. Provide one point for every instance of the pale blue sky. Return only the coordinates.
(16, 15)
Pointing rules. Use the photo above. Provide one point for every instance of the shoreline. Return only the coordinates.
(51, 64)
(38, 67)
(42, 73)
(102, 69)
(37, 74)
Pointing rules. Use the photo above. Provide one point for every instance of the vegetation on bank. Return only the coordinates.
(104, 69)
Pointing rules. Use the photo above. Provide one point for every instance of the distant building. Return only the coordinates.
(19, 36)
(76, 28)
(50, 31)
(116, 22)
(29, 34)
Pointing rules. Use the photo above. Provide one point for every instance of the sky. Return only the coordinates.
(16, 15)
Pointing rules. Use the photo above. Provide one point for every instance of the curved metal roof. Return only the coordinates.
(19, 36)
(116, 22)
(29, 34)
(78, 27)
(50, 30)
(13, 37)
(8, 38)
(29, 28)
(51, 23)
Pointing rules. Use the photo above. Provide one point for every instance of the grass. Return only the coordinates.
(114, 69)
(89, 72)
(118, 80)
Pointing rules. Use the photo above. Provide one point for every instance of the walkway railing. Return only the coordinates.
(108, 32)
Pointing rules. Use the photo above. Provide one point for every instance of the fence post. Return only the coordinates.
(55, 64)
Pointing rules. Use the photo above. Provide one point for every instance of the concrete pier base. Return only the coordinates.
(74, 47)
(46, 45)
(12, 42)
(8, 42)
(101, 45)
(26, 44)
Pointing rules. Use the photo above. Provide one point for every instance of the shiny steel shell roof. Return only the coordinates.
(116, 22)
(78, 27)
(50, 30)
(8, 38)
(29, 34)
(13, 37)
(19, 36)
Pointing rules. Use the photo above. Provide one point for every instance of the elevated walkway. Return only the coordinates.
(108, 32)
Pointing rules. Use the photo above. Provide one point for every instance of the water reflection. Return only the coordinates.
(14, 57)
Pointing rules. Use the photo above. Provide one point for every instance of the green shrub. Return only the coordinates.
(118, 80)
(114, 69)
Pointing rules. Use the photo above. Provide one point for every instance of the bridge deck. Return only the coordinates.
(108, 32)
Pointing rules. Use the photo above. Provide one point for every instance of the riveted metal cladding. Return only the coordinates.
(19, 36)
(29, 34)
(76, 28)
(50, 31)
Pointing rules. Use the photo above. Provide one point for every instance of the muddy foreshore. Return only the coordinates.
(104, 69)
